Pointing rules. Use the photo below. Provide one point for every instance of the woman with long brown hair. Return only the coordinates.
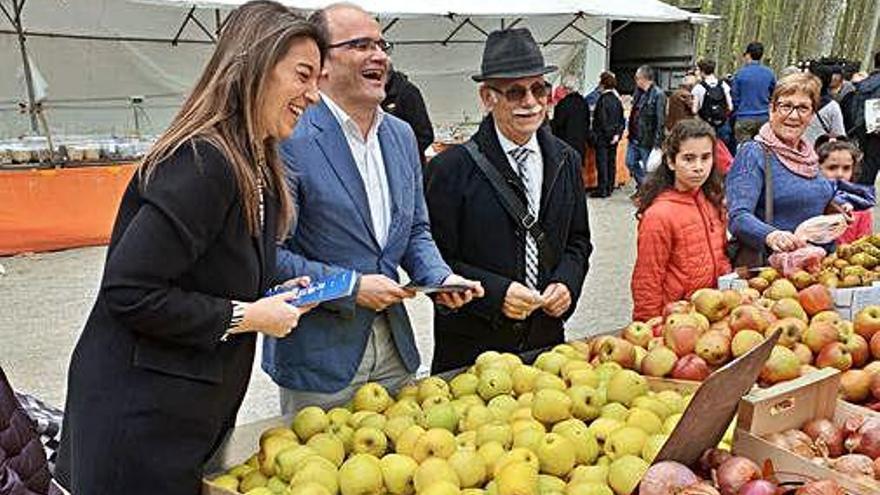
(161, 368)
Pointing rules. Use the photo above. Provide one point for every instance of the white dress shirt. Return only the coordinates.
(534, 166)
(367, 154)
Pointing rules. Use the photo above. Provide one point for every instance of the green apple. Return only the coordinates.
(371, 397)
(586, 448)
(615, 410)
(602, 428)
(470, 468)
(644, 420)
(441, 488)
(345, 434)
(464, 384)
(406, 442)
(269, 449)
(397, 472)
(287, 460)
(523, 377)
(586, 402)
(307, 488)
(503, 406)
(625, 386)
(434, 470)
(551, 362)
(432, 386)
(319, 472)
(436, 442)
(653, 446)
(551, 406)
(361, 474)
(556, 455)
(369, 440)
(549, 380)
(310, 421)
(254, 479)
(625, 473)
(519, 478)
(589, 474)
(329, 447)
(515, 456)
(395, 426)
(406, 407)
(494, 382)
(625, 441)
(441, 416)
(338, 416)
(495, 432)
(475, 417)
(588, 488)
(491, 452)
(226, 481)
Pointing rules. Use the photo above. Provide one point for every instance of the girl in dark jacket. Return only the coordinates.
(608, 124)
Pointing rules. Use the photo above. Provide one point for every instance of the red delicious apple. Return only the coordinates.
(691, 367)
(834, 355)
(815, 299)
(858, 347)
(675, 307)
(618, 350)
(867, 321)
(682, 339)
(748, 317)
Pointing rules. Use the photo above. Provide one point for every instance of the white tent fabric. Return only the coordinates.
(94, 55)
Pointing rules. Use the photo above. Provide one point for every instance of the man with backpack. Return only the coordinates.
(862, 119)
(712, 102)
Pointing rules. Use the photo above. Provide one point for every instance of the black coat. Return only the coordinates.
(151, 387)
(404, 100)
(481, 241)
(571, 121)
(608, 119)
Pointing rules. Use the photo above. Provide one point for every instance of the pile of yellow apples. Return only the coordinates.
(560, 426)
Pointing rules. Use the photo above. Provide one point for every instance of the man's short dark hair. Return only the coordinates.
(707, 67)
(755, 50)
(645, 71)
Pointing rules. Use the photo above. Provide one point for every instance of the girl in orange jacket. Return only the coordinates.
(682, 225)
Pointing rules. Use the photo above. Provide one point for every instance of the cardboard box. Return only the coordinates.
(789, 405)
(848, 302)
(732, 281)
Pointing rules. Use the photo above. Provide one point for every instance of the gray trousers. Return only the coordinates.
(380, 363)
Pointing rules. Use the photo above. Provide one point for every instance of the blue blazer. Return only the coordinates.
(334, 231)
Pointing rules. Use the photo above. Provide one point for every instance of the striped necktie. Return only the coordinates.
(521, 157)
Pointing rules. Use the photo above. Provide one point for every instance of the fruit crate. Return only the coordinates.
(849, 301)
(789, 405)
(244, 439)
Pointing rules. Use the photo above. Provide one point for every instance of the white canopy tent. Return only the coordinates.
(90, 58)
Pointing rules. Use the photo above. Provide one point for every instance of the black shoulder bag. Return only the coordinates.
(513, 204)
(740, 254)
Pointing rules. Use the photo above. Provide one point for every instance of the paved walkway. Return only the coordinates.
(46, 298)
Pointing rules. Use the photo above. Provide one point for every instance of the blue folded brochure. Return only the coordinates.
(322, 290)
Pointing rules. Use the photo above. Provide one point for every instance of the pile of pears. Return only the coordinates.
(560, 426)
(852, 265)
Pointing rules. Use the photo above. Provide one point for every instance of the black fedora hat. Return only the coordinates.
(511, 54)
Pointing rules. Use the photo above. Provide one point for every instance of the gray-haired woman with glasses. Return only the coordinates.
(797, 191)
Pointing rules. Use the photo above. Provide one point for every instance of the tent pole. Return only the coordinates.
(25, 62)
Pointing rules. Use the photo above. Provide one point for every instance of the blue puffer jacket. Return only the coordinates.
(23, 467)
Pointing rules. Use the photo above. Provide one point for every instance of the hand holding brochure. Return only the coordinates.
(326, 289)
(437, 289)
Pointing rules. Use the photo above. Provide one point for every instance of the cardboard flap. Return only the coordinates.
(714, 405)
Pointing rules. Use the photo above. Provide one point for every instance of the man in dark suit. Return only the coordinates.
(532, 276)
(404, 100)
(357, 182)
(571, 118)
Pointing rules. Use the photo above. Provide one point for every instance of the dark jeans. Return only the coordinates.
(637, 161)
(871, 163)
(606, 167)
(725, 134)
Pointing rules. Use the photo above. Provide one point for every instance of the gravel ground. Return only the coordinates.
(46, 299)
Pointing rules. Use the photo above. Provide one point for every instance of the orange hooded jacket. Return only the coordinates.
(681, 248)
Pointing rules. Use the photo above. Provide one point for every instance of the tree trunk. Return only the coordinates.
(830, 12)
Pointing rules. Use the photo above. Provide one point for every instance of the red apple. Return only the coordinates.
(875, 385)
(782, 365)
(789, 307)
(748, 317)
(875, 345)
(714, 348)
(815, 299)
(732, 298)
(804, 354)
(656, 324)
(691, 367)
(722, 327)
(867, 321)
(820, 334)
(831, 316)
(682, 339)
(855, 385)
(618, 350)
(834, 355)
(792, 331)
(858, 347)
(637, 333)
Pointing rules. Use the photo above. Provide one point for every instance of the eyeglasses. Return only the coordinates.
(364, 45)
(517, 92)
(786, 109)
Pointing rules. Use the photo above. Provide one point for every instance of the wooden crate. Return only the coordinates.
(789, 405)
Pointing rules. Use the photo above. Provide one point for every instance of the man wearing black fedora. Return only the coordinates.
(508, 209)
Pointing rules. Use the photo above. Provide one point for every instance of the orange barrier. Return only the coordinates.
(590, 175)
(45, 210)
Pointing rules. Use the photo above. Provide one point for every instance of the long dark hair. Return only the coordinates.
(663, 177)
(223, 107)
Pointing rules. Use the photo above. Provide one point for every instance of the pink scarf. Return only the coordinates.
(801, 160)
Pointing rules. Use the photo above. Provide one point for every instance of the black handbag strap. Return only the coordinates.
(511, 202)
(768, 186)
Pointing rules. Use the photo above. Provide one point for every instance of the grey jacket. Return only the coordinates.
(652, 117)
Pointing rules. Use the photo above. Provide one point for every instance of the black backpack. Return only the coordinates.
(714, 107)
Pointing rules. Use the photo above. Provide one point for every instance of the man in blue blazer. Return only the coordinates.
(357, 183)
